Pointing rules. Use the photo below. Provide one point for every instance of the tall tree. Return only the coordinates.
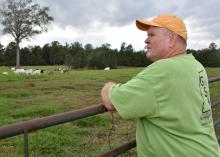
(58, 53)
(46, 50)
(23, 19)
(75, 57)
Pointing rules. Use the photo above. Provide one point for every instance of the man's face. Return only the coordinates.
(157, 43)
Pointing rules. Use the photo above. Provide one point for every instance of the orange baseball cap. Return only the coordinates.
(169, 21)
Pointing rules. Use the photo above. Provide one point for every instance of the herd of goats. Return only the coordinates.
(39, 71)
(35, 71)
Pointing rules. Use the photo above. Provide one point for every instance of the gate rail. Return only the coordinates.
(44, 122)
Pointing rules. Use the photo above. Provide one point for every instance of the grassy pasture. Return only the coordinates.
(24, 97)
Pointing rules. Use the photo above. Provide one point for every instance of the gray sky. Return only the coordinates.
(113, 21)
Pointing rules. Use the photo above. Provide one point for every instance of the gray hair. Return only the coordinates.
(179, 38)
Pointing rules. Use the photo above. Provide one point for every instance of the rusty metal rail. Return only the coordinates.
(214, 79)
(119, 150)
(40, 123)
(44, 122)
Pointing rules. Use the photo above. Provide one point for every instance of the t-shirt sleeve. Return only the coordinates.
(134, 99)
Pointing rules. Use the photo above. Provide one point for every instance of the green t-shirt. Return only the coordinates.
(170, 101)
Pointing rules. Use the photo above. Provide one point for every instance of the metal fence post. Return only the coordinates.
(26, 143)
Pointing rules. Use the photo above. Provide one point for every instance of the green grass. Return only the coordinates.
(24, 97)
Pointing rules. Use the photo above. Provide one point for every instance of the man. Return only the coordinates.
(169, 99)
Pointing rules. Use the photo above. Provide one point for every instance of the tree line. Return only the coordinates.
(24, 19)
(75, 55)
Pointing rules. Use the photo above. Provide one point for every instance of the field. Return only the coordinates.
(24, 97)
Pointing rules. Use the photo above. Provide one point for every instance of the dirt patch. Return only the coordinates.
(67, 87)
(46, 93)
(86, 85)
(50, 88)
(29, 85)
(79, 85)
(4, 87)
(26, 86)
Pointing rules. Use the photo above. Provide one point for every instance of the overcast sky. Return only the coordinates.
(113, 21)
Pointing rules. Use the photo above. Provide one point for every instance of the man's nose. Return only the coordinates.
(147, 41)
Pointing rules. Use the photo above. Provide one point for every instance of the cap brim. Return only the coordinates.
(145, 25)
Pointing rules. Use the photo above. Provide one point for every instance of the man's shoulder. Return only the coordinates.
(159, 67)
(176, 61)
(168, 65)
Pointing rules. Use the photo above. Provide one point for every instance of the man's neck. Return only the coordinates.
(178, 50)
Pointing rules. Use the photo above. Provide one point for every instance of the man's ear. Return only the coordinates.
(173, 39)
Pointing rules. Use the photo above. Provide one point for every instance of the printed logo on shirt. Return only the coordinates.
(206, 104)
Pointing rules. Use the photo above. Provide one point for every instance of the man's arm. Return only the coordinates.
(104, 93)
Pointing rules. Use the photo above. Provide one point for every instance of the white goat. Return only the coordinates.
(23, 71)
(38, 72)
(19, 71)
(28, 71)
(107, 68)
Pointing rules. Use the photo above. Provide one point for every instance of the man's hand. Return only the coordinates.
(104, 93)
